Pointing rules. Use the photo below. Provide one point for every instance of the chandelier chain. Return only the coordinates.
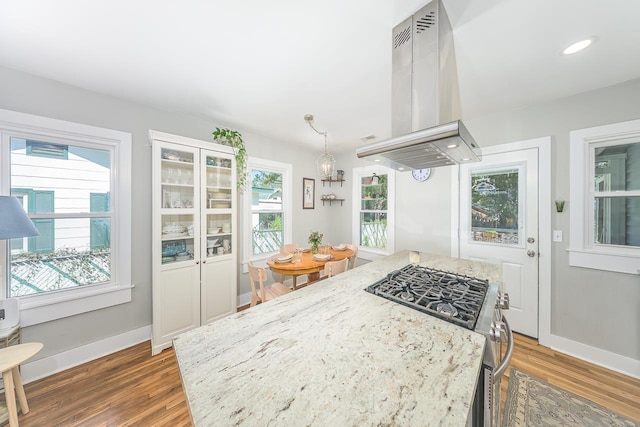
(326, 162)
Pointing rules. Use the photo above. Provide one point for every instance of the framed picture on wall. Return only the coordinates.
(308, 193)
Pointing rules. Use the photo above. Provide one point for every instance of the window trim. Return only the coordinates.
(35, 309)
(366, 252)
(286, 169)
(582, 252)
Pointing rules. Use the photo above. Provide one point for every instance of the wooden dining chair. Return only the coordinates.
(288, 248)
(265, 293)
(285, 250)
(336, 267)
(352, 260)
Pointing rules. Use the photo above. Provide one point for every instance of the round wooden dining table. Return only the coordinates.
(308, 265)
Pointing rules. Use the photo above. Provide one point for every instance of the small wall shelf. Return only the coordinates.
(330, 180)
(331, 201)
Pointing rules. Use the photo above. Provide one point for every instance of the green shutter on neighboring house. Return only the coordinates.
(100, 235)
(45, 242)
(42, 202)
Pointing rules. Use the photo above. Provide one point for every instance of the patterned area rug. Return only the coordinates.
(533, 402)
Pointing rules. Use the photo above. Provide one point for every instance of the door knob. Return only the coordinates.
(531, 253)
(531, 240)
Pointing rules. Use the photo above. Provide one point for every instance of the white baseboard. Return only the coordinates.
(68, 359)
(244, 299)
(615, 362)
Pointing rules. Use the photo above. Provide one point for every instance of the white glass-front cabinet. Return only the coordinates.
(194, 235)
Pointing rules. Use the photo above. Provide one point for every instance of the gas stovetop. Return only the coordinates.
(449, 296)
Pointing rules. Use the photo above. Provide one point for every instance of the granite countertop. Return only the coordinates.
(334, 354)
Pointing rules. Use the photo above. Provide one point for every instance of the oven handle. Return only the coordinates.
(507, 357)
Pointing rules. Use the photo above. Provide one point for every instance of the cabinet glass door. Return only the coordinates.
(218, 204)
(178, 189)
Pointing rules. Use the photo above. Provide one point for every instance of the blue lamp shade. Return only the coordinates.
(14, 222)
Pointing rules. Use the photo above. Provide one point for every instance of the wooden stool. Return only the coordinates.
(10, 359)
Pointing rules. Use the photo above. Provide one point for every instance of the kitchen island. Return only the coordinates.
(334, 354)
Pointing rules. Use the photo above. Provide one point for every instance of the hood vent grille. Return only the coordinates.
(426, 22)
(402, 37)
(425, 111)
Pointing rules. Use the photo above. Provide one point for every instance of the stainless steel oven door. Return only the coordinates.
(485, 411)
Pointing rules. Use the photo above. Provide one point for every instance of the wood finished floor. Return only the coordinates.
(615, 391)
(132, 388)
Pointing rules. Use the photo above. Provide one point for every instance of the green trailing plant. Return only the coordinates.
(315, 238)
(233, 138)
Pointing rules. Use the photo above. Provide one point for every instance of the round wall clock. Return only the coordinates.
(421, 174)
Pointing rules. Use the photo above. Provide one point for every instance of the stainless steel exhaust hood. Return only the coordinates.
(425, 111)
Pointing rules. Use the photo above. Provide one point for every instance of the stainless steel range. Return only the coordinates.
(468, 302)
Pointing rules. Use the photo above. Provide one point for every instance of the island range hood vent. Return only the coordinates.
(425, 108)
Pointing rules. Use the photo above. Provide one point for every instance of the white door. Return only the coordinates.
(499, 224)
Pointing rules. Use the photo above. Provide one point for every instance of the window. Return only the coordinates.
(74, 183)
(373, 210)
(267, 208)
(605, 196)
(496, 209)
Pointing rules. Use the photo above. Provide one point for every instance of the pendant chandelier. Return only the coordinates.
(326, 162)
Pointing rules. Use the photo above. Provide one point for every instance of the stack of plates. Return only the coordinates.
(322, 257)
(341, 247)
(183, 257)
(172, 229)
(285, 258)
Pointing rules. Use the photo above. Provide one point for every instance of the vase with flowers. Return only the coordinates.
(315, 238)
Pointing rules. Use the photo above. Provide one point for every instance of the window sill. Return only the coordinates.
(371, 254)
(38, 309)
(607, 261)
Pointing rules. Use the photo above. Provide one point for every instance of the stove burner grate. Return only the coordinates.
(453, 297)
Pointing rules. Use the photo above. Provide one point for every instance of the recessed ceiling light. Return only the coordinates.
(376, 160)
(578, 46)
(452, 145)
(466, 159)
(400, 169)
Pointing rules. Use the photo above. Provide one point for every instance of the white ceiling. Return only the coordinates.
(262, 65)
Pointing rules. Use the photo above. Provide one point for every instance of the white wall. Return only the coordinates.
(33, 95)
(593, 308)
